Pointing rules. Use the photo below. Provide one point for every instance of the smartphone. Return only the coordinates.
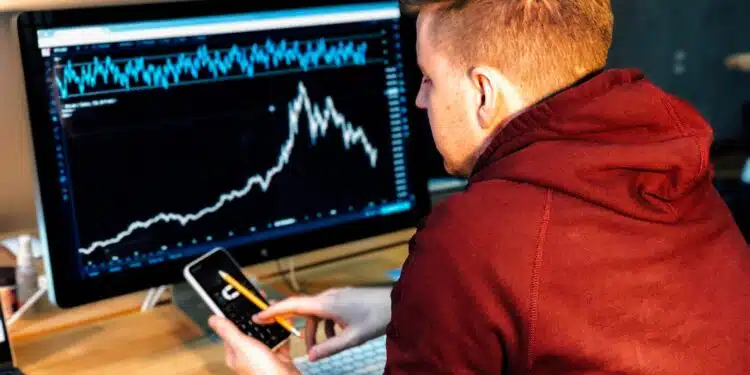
(225, 301)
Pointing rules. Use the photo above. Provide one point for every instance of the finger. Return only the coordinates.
(230, 356)
(292, 306)
(283, 352)
(226, 330)
(271, 303)
(330, 328)
(250, 355)
(347, 339)
(232, 336)
(311, 330)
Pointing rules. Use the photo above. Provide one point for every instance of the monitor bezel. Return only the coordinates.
(67, 289)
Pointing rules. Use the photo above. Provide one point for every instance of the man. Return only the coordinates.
(590, 239)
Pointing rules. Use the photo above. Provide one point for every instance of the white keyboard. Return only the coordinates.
(366, 359)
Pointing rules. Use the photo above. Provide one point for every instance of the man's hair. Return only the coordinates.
(540, 45)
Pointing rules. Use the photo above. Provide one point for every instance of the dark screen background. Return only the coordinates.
(177, 150)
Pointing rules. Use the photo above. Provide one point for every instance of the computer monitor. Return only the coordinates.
(162, 131)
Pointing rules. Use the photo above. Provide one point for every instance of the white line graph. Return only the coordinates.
(318, 121)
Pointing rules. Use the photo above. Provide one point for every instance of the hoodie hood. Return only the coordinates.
(615, 140)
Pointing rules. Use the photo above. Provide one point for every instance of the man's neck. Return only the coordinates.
(552, 92)
(542, 98)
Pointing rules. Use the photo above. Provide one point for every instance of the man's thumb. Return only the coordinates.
(248, 356)
(226, 330)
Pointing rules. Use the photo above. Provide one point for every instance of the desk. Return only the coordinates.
(165, 341)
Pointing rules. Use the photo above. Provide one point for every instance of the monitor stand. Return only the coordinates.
(192, 305)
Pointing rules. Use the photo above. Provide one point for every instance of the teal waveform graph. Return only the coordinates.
(109, 75)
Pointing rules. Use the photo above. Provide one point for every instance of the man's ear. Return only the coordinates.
(499, 98)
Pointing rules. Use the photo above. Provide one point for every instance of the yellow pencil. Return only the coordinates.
(257, 301)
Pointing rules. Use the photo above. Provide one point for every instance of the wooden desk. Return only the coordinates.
(165, 341)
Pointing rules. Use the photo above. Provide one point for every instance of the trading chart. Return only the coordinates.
(168, 146)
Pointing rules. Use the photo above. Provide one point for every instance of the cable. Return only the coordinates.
(293, 276)
(289, 276)
(28, 304)
(291, 279)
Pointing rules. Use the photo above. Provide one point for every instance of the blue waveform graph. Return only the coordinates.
(320, 119)
(108, 75)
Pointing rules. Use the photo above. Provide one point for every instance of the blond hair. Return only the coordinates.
(540, 45)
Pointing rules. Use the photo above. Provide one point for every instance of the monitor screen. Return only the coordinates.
(267, 132)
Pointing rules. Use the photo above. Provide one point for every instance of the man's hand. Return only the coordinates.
(247, 356)
(362, 313)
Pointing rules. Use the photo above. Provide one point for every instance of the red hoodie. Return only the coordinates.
(590, 240)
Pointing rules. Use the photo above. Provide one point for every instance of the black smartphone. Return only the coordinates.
(224, 300)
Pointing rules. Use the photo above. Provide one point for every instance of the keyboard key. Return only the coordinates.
(368, 358)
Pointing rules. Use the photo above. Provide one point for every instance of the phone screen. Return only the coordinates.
(229, 301)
